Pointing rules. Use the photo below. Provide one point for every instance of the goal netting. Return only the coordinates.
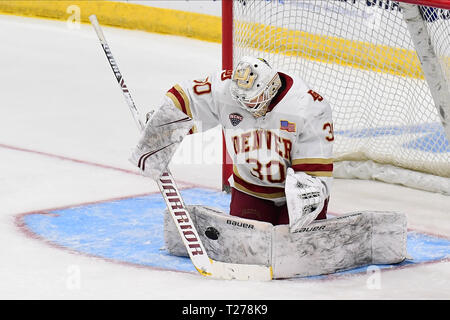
(390, 111)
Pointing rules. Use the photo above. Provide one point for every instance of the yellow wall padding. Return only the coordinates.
(326, 49)
(124, 15)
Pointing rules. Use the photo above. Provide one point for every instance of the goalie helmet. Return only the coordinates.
(254, 84)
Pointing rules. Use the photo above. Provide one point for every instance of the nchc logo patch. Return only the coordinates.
(235, 118)
(286, 125)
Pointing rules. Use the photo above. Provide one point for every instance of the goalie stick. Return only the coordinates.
(175, 204)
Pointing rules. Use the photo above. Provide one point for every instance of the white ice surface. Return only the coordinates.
(58, 96)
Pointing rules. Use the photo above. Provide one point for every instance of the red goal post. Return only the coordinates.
(398, 125)
(227, 64)
(443, 4)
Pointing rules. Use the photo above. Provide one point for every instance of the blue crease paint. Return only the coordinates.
(131, 230)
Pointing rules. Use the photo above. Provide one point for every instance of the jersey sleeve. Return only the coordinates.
(312, 151)
(198, 100)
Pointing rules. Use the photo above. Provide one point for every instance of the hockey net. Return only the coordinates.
(390, 112)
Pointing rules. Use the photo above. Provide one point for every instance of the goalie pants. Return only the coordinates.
(249, 207)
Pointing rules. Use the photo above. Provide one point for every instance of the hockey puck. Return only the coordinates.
(212, 233)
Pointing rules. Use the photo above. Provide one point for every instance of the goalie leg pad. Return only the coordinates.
(225, 238)
(338, 244)
(324, 247)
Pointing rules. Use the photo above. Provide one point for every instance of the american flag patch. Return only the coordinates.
(286, 125)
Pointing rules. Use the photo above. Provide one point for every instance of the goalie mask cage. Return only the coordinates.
(384, 67)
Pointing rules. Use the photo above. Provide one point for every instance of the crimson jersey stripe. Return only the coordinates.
(256, 188)
(313, 167)
(180, 99)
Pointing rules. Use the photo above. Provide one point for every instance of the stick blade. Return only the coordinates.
(229, 271)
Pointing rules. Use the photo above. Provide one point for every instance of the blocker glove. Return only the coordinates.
(164, 131)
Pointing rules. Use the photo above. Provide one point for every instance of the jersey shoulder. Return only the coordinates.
(211, 89)
(304, 101)
(221, 84)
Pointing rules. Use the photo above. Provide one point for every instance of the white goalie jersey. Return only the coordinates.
(297, 132)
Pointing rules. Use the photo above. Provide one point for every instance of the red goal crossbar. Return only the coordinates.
(442, 4)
